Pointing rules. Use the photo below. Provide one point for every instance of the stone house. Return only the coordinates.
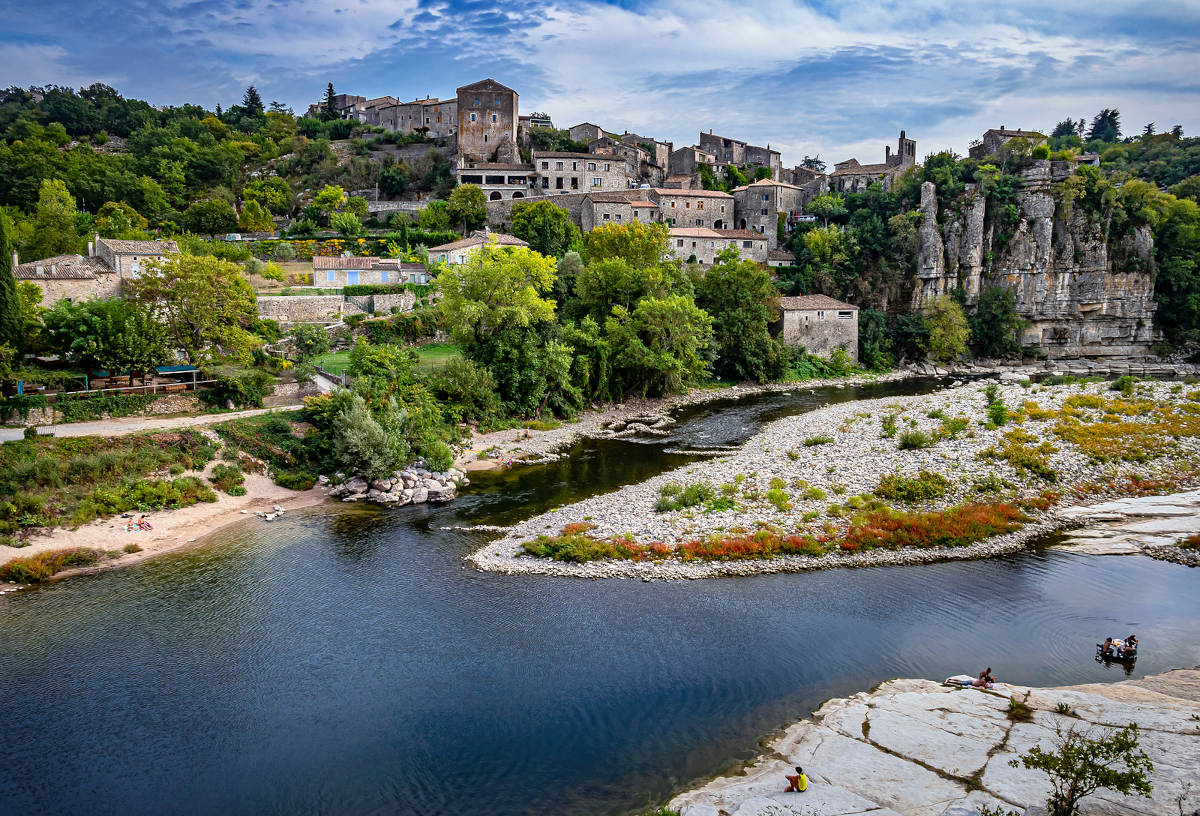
(341, 103)
(457, 252)
(660, 152)
(437, 118)
(337, 271)
(99, 274)
(585, 132)
(581, 172)
(780, 257)
(686, 160)
(616, 208)
(487, 122)
(706, 244)
(368, 111)
(498, 181)
(852, 177)
(712, 209)
(995, 138)
(757, 207)
(820, 324)
(735, 151)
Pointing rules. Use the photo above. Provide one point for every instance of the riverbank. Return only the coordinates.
(918, 748)
(172, 529)
(820, 489)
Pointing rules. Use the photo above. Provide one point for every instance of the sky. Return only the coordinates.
(808, 77)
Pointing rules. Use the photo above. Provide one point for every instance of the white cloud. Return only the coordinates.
(28, 64)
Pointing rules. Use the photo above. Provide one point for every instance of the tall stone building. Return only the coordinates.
(850, 176)
(487, 123)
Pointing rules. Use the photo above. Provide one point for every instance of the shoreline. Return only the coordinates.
(852, 458)
(916, 747)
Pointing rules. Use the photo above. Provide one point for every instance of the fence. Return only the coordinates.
(151, 388)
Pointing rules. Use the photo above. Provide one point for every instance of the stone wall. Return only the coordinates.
(101, 287)
(305, 308)
(1085, 293)
(404, 301)
(820, 332)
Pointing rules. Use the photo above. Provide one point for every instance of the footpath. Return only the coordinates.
(128, 425)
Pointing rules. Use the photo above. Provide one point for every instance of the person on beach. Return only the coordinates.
(797, 783)
(143, 524)
(985, 679)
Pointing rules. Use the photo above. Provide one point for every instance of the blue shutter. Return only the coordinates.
(383, 276)
(330, 276)
(352, 277)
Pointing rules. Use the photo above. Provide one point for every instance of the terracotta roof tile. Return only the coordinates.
(62, 267)
(805, 302)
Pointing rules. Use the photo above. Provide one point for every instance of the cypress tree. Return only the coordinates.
(330, 102)
(11, 330)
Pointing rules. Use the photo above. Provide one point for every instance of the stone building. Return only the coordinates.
(457, 252)
(585, 132)
(706, 244)
(99, 274)
(499, 181)
(686, 160)
(487, 122)
(660, 152)
(735, 151)
(852, 177)
(341, 103)
(994, 139)
(820, 324)
(437, 118)
(757, 207)
(337, 271)
(780, 257)
(368, 111)
(694, 208)
(581, 172)
(616, 208)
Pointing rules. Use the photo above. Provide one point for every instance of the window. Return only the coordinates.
(693, 244)
(606, 216)
(545, 183)
(558, 185)
(596, 181)
(591, 166)
(687, 205)
(699, 205)
(472, 117)
(845, 315)
(678, 243)
(558, 165)
(764, 197)
(672, 205)
(330, 276)
(635, 213)
(618, 216)
(546, 165)
(820, 315)
(352, 277)
(493, 117)
(699, 222)
(575, 165)
(574, 182)
(383, 276)
(722, 208)
(764, 211)
(476, 105)
(747, 244)
(607, 166)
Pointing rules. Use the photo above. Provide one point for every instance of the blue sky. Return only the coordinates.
(814, 77)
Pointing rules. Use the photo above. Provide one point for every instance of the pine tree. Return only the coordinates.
(218, 110)
(10, 302)
(1148, 130)
(329, 106)
(1106, 126)
(252, 102)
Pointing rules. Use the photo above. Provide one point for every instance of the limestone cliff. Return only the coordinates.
(1085, 293)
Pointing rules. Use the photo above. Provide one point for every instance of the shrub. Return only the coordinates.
(888, 423)
(243, 391)
(225, 477)
(674, 497)
(955, 527)
(813, 441)
(915, 440)
(295, 480)
(923, 487)
(438, 456)
(132, 548)
(953, 426)
(85, 408)
(1019, 712)
(997, 413)
(1124, 385)
(1192, 542)
(779, 499)
(35, 568)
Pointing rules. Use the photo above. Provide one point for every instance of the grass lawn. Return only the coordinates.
(429, 358)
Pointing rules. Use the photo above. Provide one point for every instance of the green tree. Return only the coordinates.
(205, 302)
(329, 198)
(252, 103)
(639, 245)
(948, 331)
(610, 282)
(272, 193)
(346, 223)
(255, 218)
(1106, 126)
(54, 231)
(215, 216)
(661, 347)
(363, 445)
(11, 326)
(435, 217)
(546, 227)
(115, 335)
(468, 207)
(743, 302)
(329, 109)
(827, 207)
(1188, 188)
(1083, 762)
(116, 219)
(309, 340)
(874, 342)
(393, 180)
(996, 327)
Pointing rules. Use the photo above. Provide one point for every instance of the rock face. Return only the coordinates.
(1085, 292)
(917, 748)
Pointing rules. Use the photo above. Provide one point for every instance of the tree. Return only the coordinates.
(874, 343)
(468, 207)
(610, 282)
(1106, 126)
(357, 206)
(115, 335)
(1064, 128)
(11, 325)
(329, 198)
(329, 106)
(826, 207)
(546, 227)
(948, 332)
(205, 302)
(213, 217)
(1148, 130)
(814, 163)
(252, 102)
(272, 193)
(116, 218)
(434, 217)
(743, 302)
(361, 444)
(393, 180)
(255, 218)
(309, 340)
(345, 223)
(1083, 762)
(661, 347)
(54, 230)
(640, 245)
(996, 327)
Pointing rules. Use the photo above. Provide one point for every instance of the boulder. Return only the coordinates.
(420, 495)
(441, 494)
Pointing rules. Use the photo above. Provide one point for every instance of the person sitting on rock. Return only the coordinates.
(797, 783)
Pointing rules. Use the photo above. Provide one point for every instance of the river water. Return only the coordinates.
(343, 660)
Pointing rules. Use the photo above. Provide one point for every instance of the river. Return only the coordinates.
(344, 661)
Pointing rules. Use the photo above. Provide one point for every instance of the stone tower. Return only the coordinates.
(487, 123)
(905, 155)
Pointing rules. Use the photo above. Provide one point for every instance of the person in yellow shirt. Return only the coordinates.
(797, 783)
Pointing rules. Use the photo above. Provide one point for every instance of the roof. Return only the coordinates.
(62, 267)
(361, 262)
(381, 101)
(742, 234)
(498, 238)
(857, 169)
(644, 204)
(780, 255)
(694, 232)
(542, 154)
(488, 84)
(691, 193)
(609, 198)
(140, 247)
(805, 302)
(766, 183)
(1012, 134)
(585, 124)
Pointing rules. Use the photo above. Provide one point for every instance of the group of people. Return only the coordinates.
(141, 524)
(1119, 649)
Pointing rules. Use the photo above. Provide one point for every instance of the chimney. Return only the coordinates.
(90, 245)
(16, 259)
(95, 243)
(1002, 127)
(39, 270)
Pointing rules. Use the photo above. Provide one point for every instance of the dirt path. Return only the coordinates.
(128, 425)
